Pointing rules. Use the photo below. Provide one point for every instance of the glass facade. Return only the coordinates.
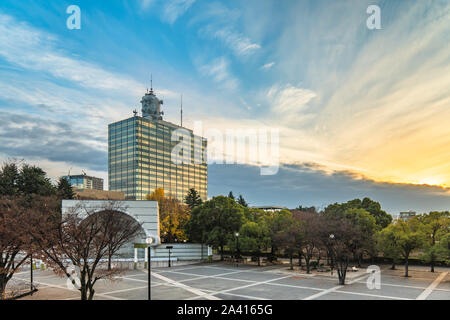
(139, 160)
(85, 182)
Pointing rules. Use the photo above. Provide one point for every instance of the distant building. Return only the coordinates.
(140, 156)
(83, 181)
(407, 215)
(270, 208)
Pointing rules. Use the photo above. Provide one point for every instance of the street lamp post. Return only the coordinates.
(169, 247)
(31, 272)
(331, 251)
(237, 249)
(150, 241)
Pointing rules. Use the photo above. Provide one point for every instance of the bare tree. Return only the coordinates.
(84, 239)
(310, 225)
(340, 237)
(17, 218)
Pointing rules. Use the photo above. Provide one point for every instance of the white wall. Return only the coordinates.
(145, 212)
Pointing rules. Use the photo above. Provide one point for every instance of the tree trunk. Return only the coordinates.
(221, 253)
(2, 287)
(406, 266)
(259, 261)
(291, 263)
(109, 262)
(300, 259)
(432, 263)
(393, 265)
(307, 259)
(359, 260)
(91, 293)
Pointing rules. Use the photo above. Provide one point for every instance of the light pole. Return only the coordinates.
(237, 249)
(331, 251)
(169, 247)
(149, 241)
(31, 272)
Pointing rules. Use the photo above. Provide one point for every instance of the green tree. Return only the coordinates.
(382, 219)
(408, 236)
(436, 225)
(9, 174)
(231, 195)
(254, 238)
(387, 244)
(192, 198)
(64, 189)
(242, 201)
(34, 180)
(277, 222)
(216, 221)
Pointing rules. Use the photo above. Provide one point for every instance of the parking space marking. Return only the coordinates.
(326, 291)
(187, 288)
(431, 287)
(243, 287)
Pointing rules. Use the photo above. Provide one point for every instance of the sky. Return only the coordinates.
(360, 112)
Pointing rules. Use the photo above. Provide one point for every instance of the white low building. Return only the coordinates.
(146, 213)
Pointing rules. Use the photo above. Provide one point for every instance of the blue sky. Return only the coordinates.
(360, 112)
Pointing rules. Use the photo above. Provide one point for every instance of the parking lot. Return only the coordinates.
(225, 281)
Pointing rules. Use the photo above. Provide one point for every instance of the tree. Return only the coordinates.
(408, 236)
(277, 222)
(310, 224)
(64, 189)
(382, 219)
(156, 195)
(346, 232)
(83, 238)
(34, 180)
(231, 196)
(17, 220)
(193, 199)
(340, 236)
(436, 225)
(254, 238)
(9, 174)
(242, 201)
(173, 216)
(218, 220)
(388, 246)
(360, 219)
(24, 180)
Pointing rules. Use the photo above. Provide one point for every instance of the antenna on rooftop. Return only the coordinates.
(151, 83)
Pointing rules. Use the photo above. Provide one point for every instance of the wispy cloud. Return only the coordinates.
(218, 71)
(267, 66)
(173, 9)
(219, 22)
(240, 44)
(36, 50)
(170, 10)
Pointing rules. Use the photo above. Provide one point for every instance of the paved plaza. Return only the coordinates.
(225, 281)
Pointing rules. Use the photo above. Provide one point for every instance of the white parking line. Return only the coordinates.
(185, 287)
(317, 295)
(243, 287)
(431, 287)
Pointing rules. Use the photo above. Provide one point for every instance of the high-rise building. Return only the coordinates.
(140, 155)
(83, 182)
